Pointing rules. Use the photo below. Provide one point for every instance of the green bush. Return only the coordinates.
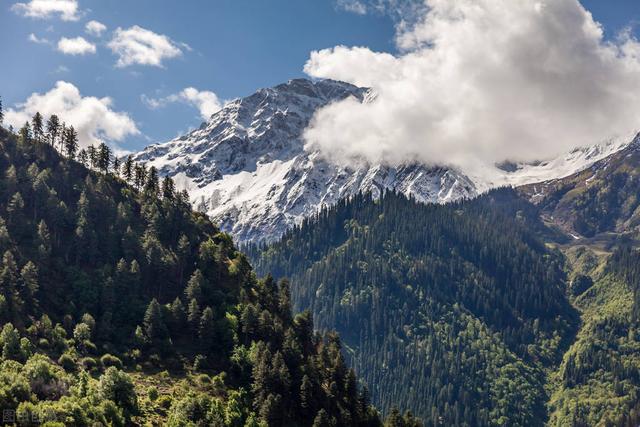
(109, 360)
(88, 363)
(152, 393)
(67, 362)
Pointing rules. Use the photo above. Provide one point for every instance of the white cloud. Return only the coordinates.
(95, 28)
(92, 117)
(205, 101)
(75, 46)
(60, 70)
(35, 39)
(138, 45)
(481, 80)
(353, 6)
(67, 10)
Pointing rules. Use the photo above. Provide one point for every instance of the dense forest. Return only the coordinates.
(121, 306)
(599, 380)
(462, 311)
(457, 310)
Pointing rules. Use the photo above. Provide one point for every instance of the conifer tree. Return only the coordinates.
(38, 128)
(140, 176)
(193, 314)
(71, 142)
(104, 158)
(127, 169)
(92, 154)
(83, 157)
(193, 291)
(29, 276)
(25, 133)
(152, 181)
(206, 328)
(154, 326)
(1, 112)
(168, 188)
(53, 129)
(116, 166)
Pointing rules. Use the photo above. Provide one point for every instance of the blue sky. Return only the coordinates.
(230, 47)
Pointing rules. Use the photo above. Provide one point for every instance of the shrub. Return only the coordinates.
(117, 386)
(88, 363)
(165, 401)
(109, 360)
(152, 393)
(67, 362)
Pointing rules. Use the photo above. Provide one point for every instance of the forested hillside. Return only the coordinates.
(121, 306)
(599, 380)
(457, 310)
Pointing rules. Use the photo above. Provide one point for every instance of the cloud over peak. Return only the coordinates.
(481, 79)
(137, 45)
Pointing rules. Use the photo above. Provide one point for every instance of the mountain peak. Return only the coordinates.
(248, 169)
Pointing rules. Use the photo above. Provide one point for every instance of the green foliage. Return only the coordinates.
(454, 311)
(598, 382)
(103, 284)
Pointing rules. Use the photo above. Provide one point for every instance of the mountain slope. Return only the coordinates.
(457, 310)
(120, 306)
(247, 167)
(598, 382)
(600, 199)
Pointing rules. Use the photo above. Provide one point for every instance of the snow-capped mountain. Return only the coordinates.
(248, 169)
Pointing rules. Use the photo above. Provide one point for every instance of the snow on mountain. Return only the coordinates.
(248, 169)
(577, 160)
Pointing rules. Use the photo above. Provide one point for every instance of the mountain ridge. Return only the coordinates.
(248, 169)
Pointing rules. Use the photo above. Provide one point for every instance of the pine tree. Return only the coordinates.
(53, 129)
(1, 112)
(140, 176)
(152, 181)
(206, 328)
(71, 142)
(193, 291)
(116, 166)
(194, 315)
(168, 188)
(127, 169)
(63, 132)
(25, 133)
(83, 157)
(104, 158)
(92, 154)
(178, 316)
(38, 128)
(8, 283)
(154, 326)
(44, 240)
(29, 276)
